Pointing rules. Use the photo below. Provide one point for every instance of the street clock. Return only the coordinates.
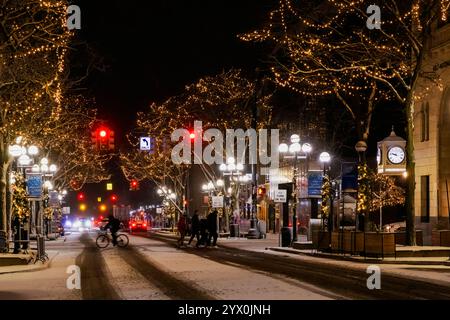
(396, 155)
(391, 155)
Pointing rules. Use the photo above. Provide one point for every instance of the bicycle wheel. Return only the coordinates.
(102, 241)
(122, 240)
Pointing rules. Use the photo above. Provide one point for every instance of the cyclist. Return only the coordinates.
(113, 225)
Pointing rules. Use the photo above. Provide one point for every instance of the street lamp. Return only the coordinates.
(33, 150)
(325, 158)
(295, 147)
(15, 150)
(234, 171)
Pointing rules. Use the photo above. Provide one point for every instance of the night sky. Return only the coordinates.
(152, 49)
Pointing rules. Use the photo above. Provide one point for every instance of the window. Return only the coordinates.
(425, 199)
(425, 122)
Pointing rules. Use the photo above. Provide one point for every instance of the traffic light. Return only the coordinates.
(103, 208)
(103, 139)
(81, 196)
(192, 135)
(114, 198)
(111, 145)
(134, 185)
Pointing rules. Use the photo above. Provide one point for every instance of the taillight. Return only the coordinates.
(145, 224)
(133, 225)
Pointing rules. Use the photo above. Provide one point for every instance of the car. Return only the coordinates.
(81, 224)
(137, 225)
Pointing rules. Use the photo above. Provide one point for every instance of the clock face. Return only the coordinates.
(379, 156)
(396, 155)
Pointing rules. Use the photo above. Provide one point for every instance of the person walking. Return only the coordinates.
(181, 226)
(195, 227)
(212, 228)
(203, 233)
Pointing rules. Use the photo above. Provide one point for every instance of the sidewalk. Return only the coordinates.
(272, 243)
(31, 266)
(13, 263)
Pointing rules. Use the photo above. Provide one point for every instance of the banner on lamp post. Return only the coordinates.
(315, 180)
(34, 185)
(53, 200)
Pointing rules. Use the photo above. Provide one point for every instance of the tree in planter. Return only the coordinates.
(325, 48)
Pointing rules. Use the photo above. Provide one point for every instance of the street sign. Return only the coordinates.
(145, 144)
(34, 185)
(53, 200)
(217, 201)
(280, 196)
(315, 180)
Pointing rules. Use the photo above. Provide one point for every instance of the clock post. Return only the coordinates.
(391, 160)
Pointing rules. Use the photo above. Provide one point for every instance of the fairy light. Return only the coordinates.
(331, 54)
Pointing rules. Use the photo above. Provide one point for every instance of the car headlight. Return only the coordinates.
(87, 224)
(68, 224)
(77, 224)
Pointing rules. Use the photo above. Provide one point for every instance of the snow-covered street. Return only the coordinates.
(153, 268)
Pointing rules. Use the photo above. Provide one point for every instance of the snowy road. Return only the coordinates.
(152, 268)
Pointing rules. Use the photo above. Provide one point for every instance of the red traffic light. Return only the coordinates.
(192, 135)
(102, 133)
(114, 198)
(80, 196)
(134, 185)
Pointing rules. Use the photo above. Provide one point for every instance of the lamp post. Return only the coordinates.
(360, 147)
(325, 158)
(232, 170)
(169, 197)
(295, 148)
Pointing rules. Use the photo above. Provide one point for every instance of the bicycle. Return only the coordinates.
(104, 239)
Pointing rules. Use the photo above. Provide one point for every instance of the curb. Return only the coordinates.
(32, 267)
(348, 258)
(338, 257)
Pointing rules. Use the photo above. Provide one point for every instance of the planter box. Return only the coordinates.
(321, 240)
(400, 238)
(378, 244)
(353, 242)
(336, 241)
(441, 238)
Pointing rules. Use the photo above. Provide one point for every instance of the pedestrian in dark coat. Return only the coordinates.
(203, 233)
(195, 227)
(212, 228)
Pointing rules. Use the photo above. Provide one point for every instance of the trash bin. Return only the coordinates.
(286, 237)
(234, 230)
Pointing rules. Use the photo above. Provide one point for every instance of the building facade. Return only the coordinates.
(432, 140)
